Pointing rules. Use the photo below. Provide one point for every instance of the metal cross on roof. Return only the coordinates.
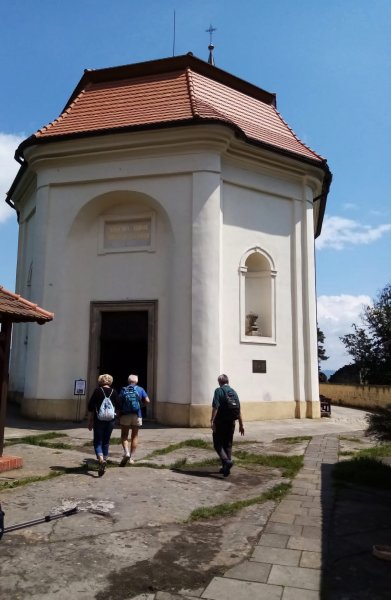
(210, 31)
(211, 46)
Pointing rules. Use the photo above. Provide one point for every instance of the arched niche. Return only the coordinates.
(257, 297)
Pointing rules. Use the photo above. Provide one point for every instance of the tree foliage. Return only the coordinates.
(348, 374)
(321, 349)
(370, 344)
(379, 424)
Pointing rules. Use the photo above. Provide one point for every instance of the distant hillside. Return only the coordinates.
(328, 372)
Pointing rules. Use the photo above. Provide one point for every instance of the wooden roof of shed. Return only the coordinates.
(19, 310)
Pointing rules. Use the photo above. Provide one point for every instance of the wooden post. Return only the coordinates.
(5, 343)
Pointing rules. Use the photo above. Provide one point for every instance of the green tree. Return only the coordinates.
(370, 344)
(321, 349)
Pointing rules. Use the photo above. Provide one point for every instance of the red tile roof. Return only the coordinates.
(177, 91)
(15, 308)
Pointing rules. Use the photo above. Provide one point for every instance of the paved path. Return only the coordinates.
(286, 561)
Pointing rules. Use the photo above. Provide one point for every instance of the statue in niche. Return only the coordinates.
(251, 324)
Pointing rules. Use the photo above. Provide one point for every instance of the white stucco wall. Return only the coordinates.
(211, 207)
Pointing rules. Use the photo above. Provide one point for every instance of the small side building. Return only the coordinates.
(168, 217)
(13, 309)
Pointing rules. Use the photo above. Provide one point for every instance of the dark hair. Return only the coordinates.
(223, 379)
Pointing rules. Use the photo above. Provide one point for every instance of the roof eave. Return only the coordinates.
(196, 120)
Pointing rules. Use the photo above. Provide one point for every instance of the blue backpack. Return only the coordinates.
(130, 401)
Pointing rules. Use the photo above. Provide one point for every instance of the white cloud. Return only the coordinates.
(8, 169)
(338, 232)
(349, 206)
(336, 314)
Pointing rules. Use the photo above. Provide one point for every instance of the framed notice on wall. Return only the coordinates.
(79, 387)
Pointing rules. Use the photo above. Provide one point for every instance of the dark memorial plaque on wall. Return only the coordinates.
(259, 366)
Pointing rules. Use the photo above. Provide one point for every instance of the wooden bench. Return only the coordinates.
(325, 406)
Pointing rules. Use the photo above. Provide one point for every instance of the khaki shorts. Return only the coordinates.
(130, 421)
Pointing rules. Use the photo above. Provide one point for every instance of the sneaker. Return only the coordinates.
(125, 460)
(131, 461)
(227, 466)
(102, 468)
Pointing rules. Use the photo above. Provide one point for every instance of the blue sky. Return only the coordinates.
(329, 63)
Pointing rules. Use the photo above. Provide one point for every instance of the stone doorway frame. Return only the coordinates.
(96, 310)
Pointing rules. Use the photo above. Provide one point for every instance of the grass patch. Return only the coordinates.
(289, 465)
(363, 470)
(9, 485)
(294, 440)
(41, 439)
(35, 440)
(347, 453)
(149, 465)
(376, 452)
(228, 509)
(196, 443)
(351, 439)
(113, 442)
(246, 442)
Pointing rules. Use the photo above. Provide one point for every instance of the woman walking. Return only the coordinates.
(101, 417)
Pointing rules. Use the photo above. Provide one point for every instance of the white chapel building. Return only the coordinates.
(167, 218)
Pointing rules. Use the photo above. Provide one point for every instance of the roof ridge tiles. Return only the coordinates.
(62, 115)
(192, 95)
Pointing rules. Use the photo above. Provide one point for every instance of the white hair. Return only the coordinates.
(133, 379)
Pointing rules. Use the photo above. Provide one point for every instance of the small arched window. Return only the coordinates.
(257, 297)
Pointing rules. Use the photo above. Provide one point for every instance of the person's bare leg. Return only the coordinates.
(133, 440)
(125, 444)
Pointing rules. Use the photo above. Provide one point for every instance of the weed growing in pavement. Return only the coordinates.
(8, 485)
(41, 440)
(290, 465)
(351, 439)
(114, 441)
(223, 510)
(196, 443)
(294, 440)
(34, 439)
(376, 452)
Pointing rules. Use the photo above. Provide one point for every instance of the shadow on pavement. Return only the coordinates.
(356, 520)
(198, 473)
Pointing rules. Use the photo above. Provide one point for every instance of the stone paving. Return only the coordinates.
(286, 561)
(288, 558)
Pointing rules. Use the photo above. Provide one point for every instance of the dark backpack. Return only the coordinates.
(130, 401)
(229, 407)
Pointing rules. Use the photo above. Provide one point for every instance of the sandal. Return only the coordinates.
(383, 552)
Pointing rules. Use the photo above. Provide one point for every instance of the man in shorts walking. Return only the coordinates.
(130, 400)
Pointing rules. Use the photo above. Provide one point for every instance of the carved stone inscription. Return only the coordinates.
(132, 233)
